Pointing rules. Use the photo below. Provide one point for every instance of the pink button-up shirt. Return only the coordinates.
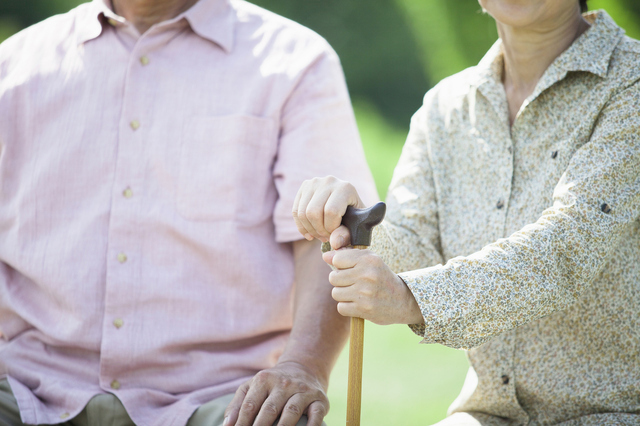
(146, 185)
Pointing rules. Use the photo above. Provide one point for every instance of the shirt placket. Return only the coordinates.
(124, 249)
(517, 138)
(502, 155)
(501, 373)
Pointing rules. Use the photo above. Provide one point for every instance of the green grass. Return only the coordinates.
(382, 143)
(404, 382)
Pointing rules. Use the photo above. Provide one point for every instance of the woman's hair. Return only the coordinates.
(583, 5)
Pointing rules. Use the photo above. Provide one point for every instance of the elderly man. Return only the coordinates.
(149, 156)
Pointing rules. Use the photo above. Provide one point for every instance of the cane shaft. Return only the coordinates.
(354, 390)
(356, 348)
(360, 223)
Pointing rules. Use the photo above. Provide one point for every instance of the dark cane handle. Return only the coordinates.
(360, 222)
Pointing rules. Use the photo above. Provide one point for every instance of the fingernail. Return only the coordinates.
(342, 241)
(226, 421)
(308, 237)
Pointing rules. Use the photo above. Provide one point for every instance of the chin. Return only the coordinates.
(518, 13)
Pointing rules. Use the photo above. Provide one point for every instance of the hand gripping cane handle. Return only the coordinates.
(360, 223)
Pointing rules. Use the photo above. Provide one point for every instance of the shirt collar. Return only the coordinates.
(213, 20)
(91, 20)
(210, 19)
(591, 52)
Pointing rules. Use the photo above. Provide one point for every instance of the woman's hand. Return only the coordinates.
(320, 205)
(365, 287)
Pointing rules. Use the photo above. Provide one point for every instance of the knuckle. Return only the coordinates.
(367, 309)
(331, 210)
(318, 410)
(294, 409)
(366, 292)
(248, 406)
(270, 408)
(261, 378)
(367, 276)
(285, 382)
(345, 186)
(301, 214)
(313, 214)
(369, 260)
(303, 388)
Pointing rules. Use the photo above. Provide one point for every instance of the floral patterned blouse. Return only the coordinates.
(534, 232)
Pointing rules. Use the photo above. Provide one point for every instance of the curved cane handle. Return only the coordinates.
(360, 222)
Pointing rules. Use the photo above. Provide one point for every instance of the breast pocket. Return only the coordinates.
(225, 168)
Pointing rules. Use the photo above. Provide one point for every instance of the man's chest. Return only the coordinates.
(172, 121)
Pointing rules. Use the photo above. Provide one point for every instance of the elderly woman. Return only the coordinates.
(513, 224)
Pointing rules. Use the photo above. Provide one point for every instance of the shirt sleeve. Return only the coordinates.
(318, 137)
(408, 239)
(545, 266)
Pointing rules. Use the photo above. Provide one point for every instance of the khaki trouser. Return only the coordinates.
(107, 410)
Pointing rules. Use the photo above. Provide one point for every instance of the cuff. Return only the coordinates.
(443, 309)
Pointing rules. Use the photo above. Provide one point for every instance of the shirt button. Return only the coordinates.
(115, 385)
(605, 208)
(554, 154)
(118, 322)
(135, 124)
(64, 415)
(505, 379)
(499, 204)
(127, 193)
(122, 257)
(144, 60)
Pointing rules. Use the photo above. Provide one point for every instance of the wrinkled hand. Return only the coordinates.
(287, 390)
(365, 287)
(320, 205)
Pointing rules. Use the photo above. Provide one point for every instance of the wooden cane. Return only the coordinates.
(360, 223)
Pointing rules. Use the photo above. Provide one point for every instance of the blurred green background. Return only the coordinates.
(392, 53)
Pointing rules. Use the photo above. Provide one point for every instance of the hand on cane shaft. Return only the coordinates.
(365, 287)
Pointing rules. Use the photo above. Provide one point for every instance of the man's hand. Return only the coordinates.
(287, 390)
(365, 287)
(320, 205)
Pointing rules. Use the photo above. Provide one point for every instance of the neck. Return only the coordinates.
(529, 52)
(145, 13)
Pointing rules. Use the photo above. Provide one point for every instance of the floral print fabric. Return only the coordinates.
(522, 243)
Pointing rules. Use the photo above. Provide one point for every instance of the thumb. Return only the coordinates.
(340, 238)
